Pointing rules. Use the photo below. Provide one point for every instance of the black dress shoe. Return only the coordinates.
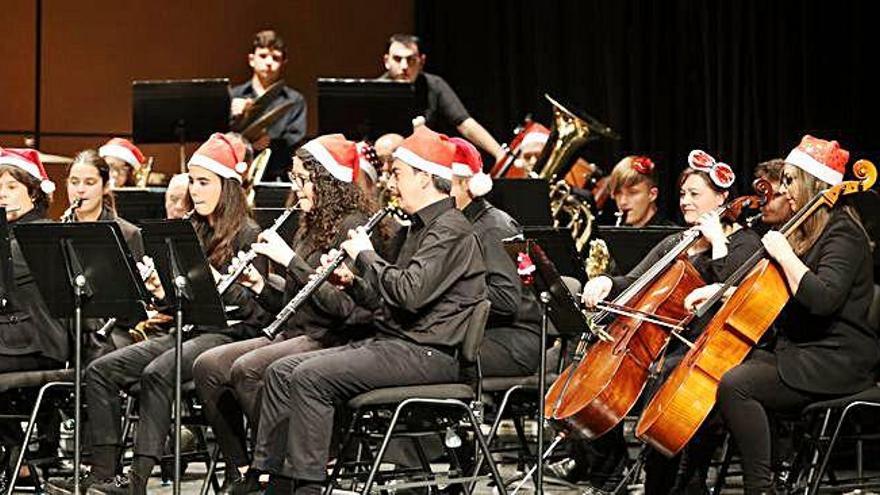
(242, 485)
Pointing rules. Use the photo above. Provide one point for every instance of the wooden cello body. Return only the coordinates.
(591, 396)
(687, 396)
(684, 401)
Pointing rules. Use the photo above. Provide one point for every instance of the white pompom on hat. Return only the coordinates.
(469, 163)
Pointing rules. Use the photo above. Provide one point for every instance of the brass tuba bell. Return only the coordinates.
(571, 134)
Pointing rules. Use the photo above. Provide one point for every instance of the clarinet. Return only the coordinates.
(247, 258)
(69, 215)
(307, 290)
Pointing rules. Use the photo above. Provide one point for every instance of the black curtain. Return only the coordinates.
(743, 80)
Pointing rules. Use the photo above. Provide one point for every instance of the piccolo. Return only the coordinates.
(312, 286)
(247, 258)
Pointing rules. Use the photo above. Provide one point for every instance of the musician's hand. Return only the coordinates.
(697, 297)
(272, 246)
(342, 277)
(250, 277)
(709, 224)
(358, 240)
(151, 282)
(777, 246)
(261, 142)
(595, 291)
(240, 106)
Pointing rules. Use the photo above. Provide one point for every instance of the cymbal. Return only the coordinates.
(258, 107)
(54, 159)
(253, 131)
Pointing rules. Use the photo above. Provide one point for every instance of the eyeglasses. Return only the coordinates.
(299, 179)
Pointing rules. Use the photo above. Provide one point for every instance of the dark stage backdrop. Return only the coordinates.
(743, 80)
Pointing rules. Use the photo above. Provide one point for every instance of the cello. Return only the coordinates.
(605, 379)
(684, 400)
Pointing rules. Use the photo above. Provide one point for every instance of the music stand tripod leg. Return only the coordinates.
(78, 288)
(542, 385)
(179, 286)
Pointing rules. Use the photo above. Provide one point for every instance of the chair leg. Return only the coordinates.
(484, 447)
(29, 431)
(211, 475)
(726, 457)
(816, 450)
(126, 431)
(377, 462)
(346, 443)
(824, 465)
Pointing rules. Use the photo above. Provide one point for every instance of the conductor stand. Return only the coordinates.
(79, 266)
(181, 264)
(557, 305)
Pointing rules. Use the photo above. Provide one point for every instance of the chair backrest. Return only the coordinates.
(473, 337)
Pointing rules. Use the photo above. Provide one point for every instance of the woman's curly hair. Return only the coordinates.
(334, 200)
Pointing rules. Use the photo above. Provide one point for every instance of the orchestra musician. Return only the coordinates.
(229, 378)
(404, 61)
(703, 186)
(825, 347)
(422, 300)
(125, 159)
(224, 225)
(30, 338)
(634, 188)
(511, 343)
(177, 200)
(268, 59)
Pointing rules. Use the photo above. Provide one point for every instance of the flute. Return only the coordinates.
(307, 290)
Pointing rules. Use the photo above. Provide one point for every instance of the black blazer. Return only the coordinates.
(26, 327)
(825, 345)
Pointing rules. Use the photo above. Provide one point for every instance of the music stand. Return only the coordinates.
(557, 304)
(140, 203)
(271, 194)
(85, 270)
(181, 264)
(179, 111)
(629, 245)
(6, 280)
(366, 108)
(526, 200)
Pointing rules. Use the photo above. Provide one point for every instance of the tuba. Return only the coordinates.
(571, 134)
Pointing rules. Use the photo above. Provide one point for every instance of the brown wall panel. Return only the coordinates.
(17, 72)
(93, 49)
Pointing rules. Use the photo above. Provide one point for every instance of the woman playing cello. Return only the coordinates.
(824, 347)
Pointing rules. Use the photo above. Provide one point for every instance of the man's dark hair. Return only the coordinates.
(441, 184)
(770, 170)
(404, 39)
(269, 39)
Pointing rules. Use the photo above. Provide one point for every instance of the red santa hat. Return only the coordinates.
(28, 160)
(469, 163)
(337, 155)
(222, 154)
(824, 160)
(427, 151)
(535, 134)
(123, 149)
(366, 157)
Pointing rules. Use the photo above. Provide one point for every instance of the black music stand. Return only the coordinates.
(179, 111)
(367, 108)
(629, 245)
(6, 281)
(83, 270)
(558, 305)
(140, 203)
(181, 264)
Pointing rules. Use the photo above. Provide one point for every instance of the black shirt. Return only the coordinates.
(329, 309)
(286, 133)
(430, 291)
(26, 327)
(825, 344)
(512, 305)
(441, 107)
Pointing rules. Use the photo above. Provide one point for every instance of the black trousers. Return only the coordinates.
(510, 352)
(746, 395)
(229, 381)
(302, 394)
(152, 364)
